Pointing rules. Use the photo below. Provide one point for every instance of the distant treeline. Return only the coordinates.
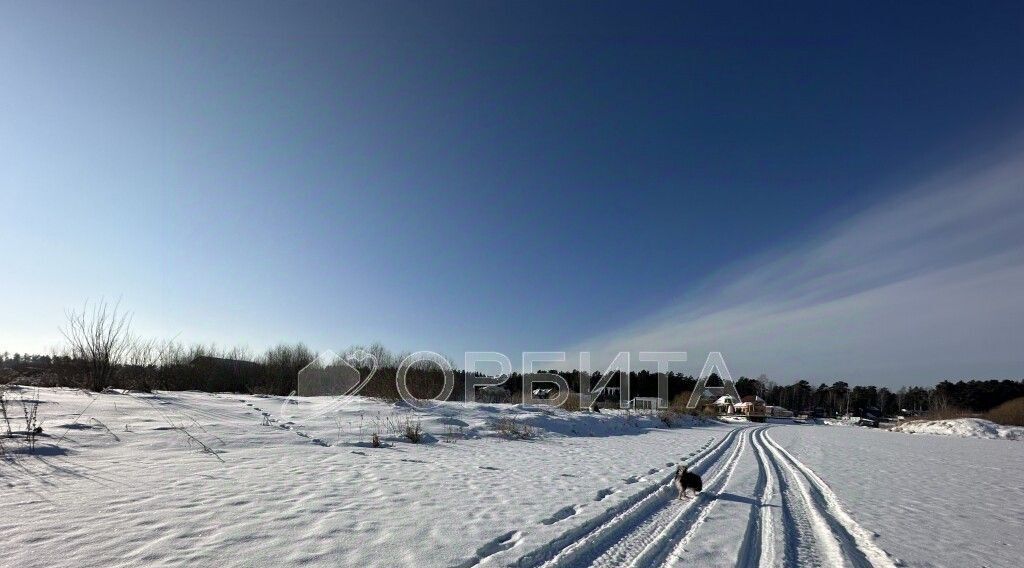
(101, 351)
(275, 371)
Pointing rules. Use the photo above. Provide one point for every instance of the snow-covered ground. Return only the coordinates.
(964, 428)
(184, 479)
(936, 500)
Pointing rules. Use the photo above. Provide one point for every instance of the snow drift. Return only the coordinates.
(963, 427)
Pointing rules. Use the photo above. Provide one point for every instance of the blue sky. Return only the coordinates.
(780, 183)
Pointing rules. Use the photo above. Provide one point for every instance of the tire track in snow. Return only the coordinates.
(844, 541)
(674, 537)
(583, 544)
(654, 529)
(797, 535)
(650, 538)
(766, 557)
(634, 536)
(758, 548)
(821, 539)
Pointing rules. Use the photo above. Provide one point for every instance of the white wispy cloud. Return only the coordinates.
(927, 284)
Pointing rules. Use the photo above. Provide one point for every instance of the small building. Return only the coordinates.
(725, 404)
(704, 401)
(753, 407)
(647, 403)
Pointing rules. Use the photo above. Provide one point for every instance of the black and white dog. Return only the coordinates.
(686, 480)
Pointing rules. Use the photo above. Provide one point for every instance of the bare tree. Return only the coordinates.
(101, 338)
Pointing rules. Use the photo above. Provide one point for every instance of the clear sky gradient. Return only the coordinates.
(818, 191)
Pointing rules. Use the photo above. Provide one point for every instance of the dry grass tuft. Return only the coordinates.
(947, 413)
(413, 431)
(514, 429)
(572, 402)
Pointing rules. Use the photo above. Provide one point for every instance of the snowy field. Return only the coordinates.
(186, 479)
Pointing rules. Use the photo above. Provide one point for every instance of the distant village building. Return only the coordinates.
(725, 404)
(753, 407)
(646, 403)
(707, 399)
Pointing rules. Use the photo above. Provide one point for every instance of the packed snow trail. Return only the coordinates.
(846, 542)
(714, 539)
(761, 507)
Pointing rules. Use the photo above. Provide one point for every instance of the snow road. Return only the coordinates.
(760, 507)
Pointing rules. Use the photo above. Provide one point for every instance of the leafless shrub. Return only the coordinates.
(101, 338)
(678, 404)
(405, 427)
(281, 366)
(572, 402)
(30, 409)
(140, 370)
(413, 430)
(386, 425)
(378, 427)
(453, 431)
(513, 428)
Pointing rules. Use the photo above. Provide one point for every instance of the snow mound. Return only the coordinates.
(965, 428)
